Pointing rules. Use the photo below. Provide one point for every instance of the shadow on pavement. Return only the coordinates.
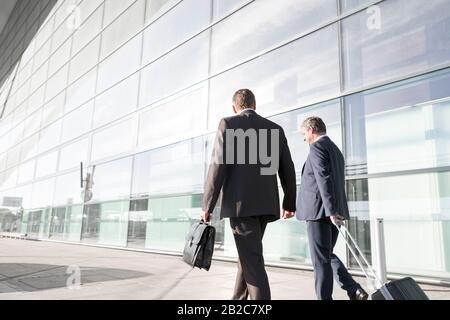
(28, 277)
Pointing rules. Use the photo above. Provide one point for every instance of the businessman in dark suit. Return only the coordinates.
(322, 203)
(248, 154)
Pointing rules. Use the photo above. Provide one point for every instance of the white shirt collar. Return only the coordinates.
(247, 109)
(320, 137)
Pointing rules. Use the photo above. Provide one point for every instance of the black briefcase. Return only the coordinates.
(199, 247)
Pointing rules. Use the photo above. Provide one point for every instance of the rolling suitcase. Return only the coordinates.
(402, 289)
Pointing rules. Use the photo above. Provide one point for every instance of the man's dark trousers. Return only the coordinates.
(322, 236)
(251, 277)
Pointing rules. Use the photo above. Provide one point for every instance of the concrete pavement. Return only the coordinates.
(48, 270)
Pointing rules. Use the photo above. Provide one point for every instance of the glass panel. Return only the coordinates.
(58, 224)
(287, 77)
(46, 164)
(416, 213)
(50, 136)
(77, 122)
(42, 195)
(177, 168)
(45, 224)
(60, 57)
(183, 21)
(114, 8)
(114, 223)
(53, 110)
(106, 223)
(116, 102)
(272, 23)
(120, 64)
(68, 189)
(13, 156)
(399, 127)
(84, 60)
(114, 140)
(91, 223)
(112, 180)
(26, 172)
(125, 26)
(88, 30)
(222, 8)
(347, 5)
(73, 154)
(291, 121)
(81, 91)
(172, 73)
(74, 218)
(359, 224)
(137, 223)
(170, 220)
(9, 179)
(34, 223)
(32, 123)
(56, 83)
(396, 38)
(185, 112)
(156, 7)
(29, 147)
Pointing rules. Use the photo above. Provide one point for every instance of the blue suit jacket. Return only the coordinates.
(322, 189)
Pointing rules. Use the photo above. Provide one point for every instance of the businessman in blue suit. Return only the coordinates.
(321, 203)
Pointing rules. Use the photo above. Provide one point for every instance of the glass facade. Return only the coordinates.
(135, 90)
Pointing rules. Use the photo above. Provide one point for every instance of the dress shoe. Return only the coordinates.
(359, 294)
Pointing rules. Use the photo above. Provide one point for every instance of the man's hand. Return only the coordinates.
(205, 216)
(337, 220)
(287, 214)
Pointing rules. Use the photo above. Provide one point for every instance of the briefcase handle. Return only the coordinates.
(343, 229)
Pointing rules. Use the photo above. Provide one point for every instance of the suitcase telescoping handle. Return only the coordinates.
(344, 231)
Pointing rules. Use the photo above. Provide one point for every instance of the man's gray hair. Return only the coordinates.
(314, 123)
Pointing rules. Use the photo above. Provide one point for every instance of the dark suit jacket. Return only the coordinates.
(245, 192)
(322, 188)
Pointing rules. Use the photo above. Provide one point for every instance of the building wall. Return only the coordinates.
(136, 88)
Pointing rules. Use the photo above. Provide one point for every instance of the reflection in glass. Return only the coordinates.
(113, 223)
(171, 73)
(347, 5)
(91, 223)
(272, 23)
(395, 39)
(169, 221)
(68, 189)
(180, 23)
(113, 140)
(137, 223)
(112, 180)
(416, 213)
(174, 120)
(177, 168)
(116, 102)
(399, 127)
(287, 77)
